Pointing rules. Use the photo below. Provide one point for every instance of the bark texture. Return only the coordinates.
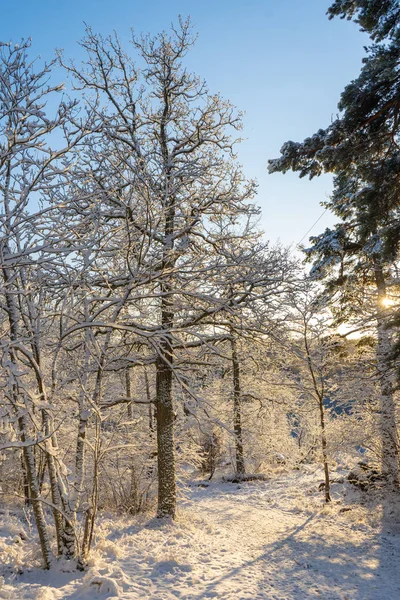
(388, 424)
(237, 411)
(165, 442)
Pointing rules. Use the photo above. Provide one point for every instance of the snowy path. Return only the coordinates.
(250, 542)
(284, 554)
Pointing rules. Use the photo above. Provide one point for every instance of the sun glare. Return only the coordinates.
(387, 302)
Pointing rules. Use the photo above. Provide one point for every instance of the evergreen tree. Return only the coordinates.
(361, 149)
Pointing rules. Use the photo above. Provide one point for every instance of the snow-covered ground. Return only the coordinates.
(259, 540)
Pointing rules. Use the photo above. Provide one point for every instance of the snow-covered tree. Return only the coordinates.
(358, 258)
(161, 172)
(31, 253)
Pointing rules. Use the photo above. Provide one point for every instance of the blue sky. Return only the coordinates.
(281, 61)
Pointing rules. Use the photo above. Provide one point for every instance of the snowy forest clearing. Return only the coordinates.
(258, 540)
(150, 335)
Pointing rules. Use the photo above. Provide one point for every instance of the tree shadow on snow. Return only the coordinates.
(308, 564)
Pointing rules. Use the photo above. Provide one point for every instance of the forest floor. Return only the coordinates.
(248, 541)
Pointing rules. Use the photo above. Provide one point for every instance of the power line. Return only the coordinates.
(312, 227)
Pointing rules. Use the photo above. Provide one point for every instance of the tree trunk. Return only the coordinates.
(34, 494)
(319, 395)
(324, 450)
(54, 486)
(148, 396)
(237, 411)
(91, 512)
(388, 424)
(69, 530)
(165, 441)
(28, 451)
(25, 483)
(133, 506)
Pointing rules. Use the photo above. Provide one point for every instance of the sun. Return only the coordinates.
(387, 302)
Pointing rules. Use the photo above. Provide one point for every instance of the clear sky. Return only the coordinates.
(281, 61)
